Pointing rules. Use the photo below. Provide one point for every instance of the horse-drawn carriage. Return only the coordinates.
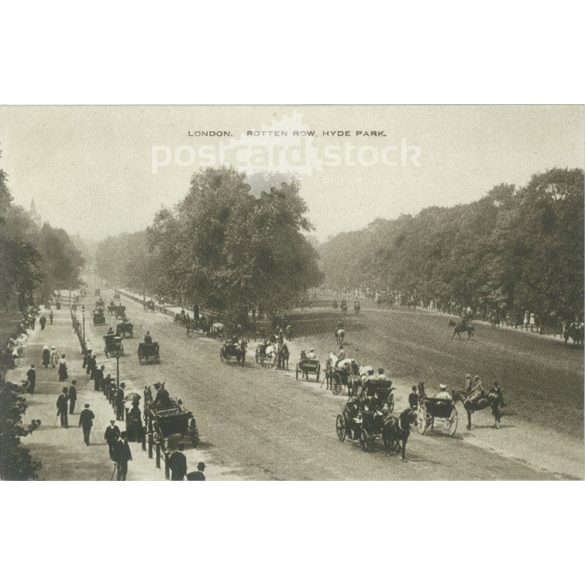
(149, 353)
(367, 421)
(98, 317)
(120, 312)
(340, 373)
(169, 422)
(125, 329)
(381, 391)
(111, 307)
(233, 350)
(308, 367)
(431, 410)
(272, 354)
(113, 345)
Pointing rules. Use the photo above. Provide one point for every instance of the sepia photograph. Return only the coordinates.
(291, 292)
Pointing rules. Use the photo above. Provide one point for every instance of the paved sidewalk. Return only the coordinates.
(62, 452)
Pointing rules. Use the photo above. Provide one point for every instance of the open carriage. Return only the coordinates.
(98, 317)
(120, 312)
(170, 424)
(113, 345)
(307, 367)
(148, 353)
(433, 410)
(345, 373)
(232, 350)
(125, 329)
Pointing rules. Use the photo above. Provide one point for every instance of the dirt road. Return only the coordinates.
(266, 425)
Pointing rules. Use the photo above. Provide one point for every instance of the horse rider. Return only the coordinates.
(443, 393)
(477, 390)
(495, 390)
(340, 356)
(312, 355)
(147, 338)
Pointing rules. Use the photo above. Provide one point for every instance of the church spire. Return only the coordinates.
(33, 212)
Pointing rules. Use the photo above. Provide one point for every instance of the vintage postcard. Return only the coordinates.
(291, 292)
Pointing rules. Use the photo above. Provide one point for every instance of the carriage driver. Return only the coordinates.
(312, 355)
(443, 393)
(147, 338)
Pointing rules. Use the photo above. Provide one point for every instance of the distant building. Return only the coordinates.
(33, 213)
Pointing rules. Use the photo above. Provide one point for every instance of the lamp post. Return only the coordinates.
(83, 318)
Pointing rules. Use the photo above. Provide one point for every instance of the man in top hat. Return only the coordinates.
(31, 376)
(111, 436)
(62, 407)
(86, 422)
(197, 475)
(72, 396)
(381, 374)
(178, 464)
(122, 455)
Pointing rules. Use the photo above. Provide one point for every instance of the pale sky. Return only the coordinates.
(90, 169)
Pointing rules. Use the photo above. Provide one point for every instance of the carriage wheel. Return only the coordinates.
(452, 422)
(421, 419)
(340, 427)
(335, 385)
(193, 432)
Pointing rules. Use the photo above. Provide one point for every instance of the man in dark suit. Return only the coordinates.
(31, 376)
(86, 360)
(111, 436)
(98, 378)
(86, 422)
(122, 455)
(178, 464)
(62, 407)
(197, 475)
(72, 396)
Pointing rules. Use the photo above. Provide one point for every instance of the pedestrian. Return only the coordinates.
(31, 376)
(98, 378)
(106, 385)
(62, 369)
(86, 422)
(111, 435)
(72, 396)
(197, 475)
(43, 322)
(62, 408)
(92, 366)
(87, 361)
(119, 401)
(122, 455)
(178, 464)
(46, 356)
(51, 317)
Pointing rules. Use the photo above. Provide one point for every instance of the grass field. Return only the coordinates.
(542, 380)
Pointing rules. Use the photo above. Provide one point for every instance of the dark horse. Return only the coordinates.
(282, 356)
(480, 402)
(461, 327)
(397, 430)
(575, 333)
